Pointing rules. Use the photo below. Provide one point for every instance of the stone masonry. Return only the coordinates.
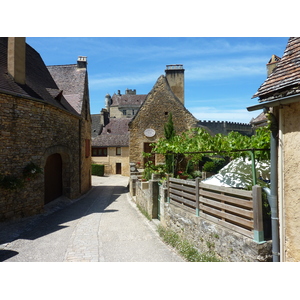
(153, 114)
(30, 131)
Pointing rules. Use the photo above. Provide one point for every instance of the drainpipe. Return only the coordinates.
(272, 193)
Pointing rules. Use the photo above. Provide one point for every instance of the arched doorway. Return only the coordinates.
(53, 177)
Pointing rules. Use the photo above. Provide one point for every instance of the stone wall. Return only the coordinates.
(30, 131)
(85, 124)
(146, 197)
(225, 127)
(208, 236)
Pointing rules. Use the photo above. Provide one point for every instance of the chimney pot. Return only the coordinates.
(81, 62)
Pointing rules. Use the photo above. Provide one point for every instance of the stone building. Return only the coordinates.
(124, 105)
(44, 126)
(111, 147)
(166, 97)
(110, 134)
(280, 94)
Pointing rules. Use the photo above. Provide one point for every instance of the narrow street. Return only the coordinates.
(102, 226)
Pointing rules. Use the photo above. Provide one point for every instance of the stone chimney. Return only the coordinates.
(16, 59)
(81, 62)
(272, 64)
(175, 78)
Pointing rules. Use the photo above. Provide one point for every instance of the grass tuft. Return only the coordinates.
(184, 247)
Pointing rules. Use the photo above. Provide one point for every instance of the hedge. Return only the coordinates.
(97, 170)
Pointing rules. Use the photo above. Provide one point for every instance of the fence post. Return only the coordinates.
(258, 229)
(168, 188)
(197, 196)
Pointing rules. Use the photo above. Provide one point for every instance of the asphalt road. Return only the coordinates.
(102, 226)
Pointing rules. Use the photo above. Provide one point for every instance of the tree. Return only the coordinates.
(170, 133)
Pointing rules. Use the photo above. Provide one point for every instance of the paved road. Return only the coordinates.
(102, 226)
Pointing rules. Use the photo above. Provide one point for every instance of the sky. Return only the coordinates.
(221, 73)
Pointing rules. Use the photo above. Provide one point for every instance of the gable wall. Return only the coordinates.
(154, 114)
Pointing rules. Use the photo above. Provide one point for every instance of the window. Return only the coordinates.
(124, 112)
(118, 150)
(133, 112)
(99, 151)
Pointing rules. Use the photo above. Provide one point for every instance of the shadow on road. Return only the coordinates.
(95, 201)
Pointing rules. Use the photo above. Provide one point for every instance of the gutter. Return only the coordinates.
(277, 102)
(273, 198)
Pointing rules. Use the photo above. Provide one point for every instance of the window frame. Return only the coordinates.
(100, 151)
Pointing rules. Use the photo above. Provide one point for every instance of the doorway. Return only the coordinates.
(53, 178)
(118, 168)
(147, 149)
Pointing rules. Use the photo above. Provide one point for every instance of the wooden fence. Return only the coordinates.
(236, 209)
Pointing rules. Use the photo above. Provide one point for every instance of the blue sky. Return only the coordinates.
(221, 74)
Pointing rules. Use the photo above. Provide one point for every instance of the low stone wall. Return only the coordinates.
(146, 196)
(208, 236)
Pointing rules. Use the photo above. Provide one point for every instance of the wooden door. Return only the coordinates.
(118, 168)
(53, 178)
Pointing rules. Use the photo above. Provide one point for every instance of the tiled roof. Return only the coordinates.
(285, 78)
(71, 80)
(96, 126)
(127, 99)
(39, 83)
(260, 120)
(114, 134)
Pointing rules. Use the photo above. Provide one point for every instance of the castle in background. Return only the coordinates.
(224, 127)
(114, 140)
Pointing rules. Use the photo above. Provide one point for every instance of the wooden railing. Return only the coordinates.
(236, 209)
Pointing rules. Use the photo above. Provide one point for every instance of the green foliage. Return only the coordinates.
(170, 133)
(184, 247)
(169, 129)
(197, 142)
(31, 170)
(97, 170)
(214, 165)
(150, 169)
(272, 122)
(11, 182)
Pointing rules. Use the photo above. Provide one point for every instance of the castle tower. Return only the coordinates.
(107, 101)
(175, 78)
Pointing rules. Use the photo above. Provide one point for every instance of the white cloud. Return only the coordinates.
(225, 68)
(115, 81)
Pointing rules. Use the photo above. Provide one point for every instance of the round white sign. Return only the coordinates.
(149, 132)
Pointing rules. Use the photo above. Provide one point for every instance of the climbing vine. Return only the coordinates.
(197, 142)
